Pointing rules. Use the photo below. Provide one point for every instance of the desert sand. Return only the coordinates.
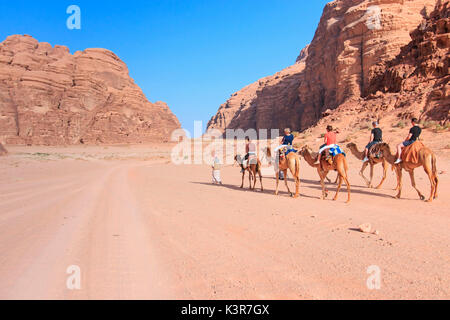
(140, 227)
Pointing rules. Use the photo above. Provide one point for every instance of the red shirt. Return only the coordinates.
(330, 138)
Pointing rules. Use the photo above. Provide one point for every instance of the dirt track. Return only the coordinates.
(143, 230)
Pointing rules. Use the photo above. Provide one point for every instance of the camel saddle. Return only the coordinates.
(329, 154)
(411, 153)
(375, 151)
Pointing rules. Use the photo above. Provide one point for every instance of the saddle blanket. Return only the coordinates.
(411, 153)
(290, 150)
(334, 151)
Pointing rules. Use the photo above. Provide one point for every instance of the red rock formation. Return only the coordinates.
(349, 41)
(419, 76)
(264, 104)
(48, 96)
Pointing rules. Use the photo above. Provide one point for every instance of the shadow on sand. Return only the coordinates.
(257, 190)
(312, 184)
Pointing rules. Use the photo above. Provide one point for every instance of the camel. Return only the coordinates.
(373, 161)
(252, 169)
(339, 164)
(427, 160)
(291, 162)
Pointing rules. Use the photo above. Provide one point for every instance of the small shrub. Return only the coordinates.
(429, 124)
(400, 124)
(43, 155)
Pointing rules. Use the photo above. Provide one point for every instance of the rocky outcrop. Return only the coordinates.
(353, 36)
(419, 76)
(49, 96)
(258, 105)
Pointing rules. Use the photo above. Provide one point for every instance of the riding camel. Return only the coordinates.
(291, 162)
(339, 164)
(426, 159)
(252, 169)
(373, 161)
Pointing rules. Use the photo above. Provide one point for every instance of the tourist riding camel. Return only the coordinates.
(410, 155)
(413, 136)
(370, 155)
(251, 164)
(376, 137)
(330, 142)
(375, 157)
(286, 159)
(286, 142)
(330, 157)
(250, 153)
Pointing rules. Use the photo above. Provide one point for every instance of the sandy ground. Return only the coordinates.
(141, 228)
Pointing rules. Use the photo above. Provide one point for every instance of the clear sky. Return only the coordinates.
(192, 54)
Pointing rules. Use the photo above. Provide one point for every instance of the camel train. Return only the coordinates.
(411, 155)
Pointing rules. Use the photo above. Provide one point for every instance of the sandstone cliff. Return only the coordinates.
(352, 38)
(264, 104)
(49, 96)
(419, 76)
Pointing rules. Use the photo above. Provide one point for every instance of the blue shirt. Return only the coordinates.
(288, 140)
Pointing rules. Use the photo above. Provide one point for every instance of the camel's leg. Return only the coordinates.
(432, 182)
(361, 173)
(371, 175)
(254, 177)
(297, 187)
(297, 184)
(436, 180)
(399, 181)
(348, 187)
(343, 177)
(260, 180)
(250, 179)
(338, 188)
(322, 176)
(243, 177)
(277, 175)
(433, 175)
(384, 163)
(413, 183)
(286, 182)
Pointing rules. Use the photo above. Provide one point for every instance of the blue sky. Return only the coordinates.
(192, 54)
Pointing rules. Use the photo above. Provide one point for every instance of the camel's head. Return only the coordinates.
(268, 152)
(351, 145)
(304, 149)
(238, 159)
(282, 152)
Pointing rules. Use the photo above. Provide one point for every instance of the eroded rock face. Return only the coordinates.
(352, 37)
(419, 76)
(49, 96)
(266, 103)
